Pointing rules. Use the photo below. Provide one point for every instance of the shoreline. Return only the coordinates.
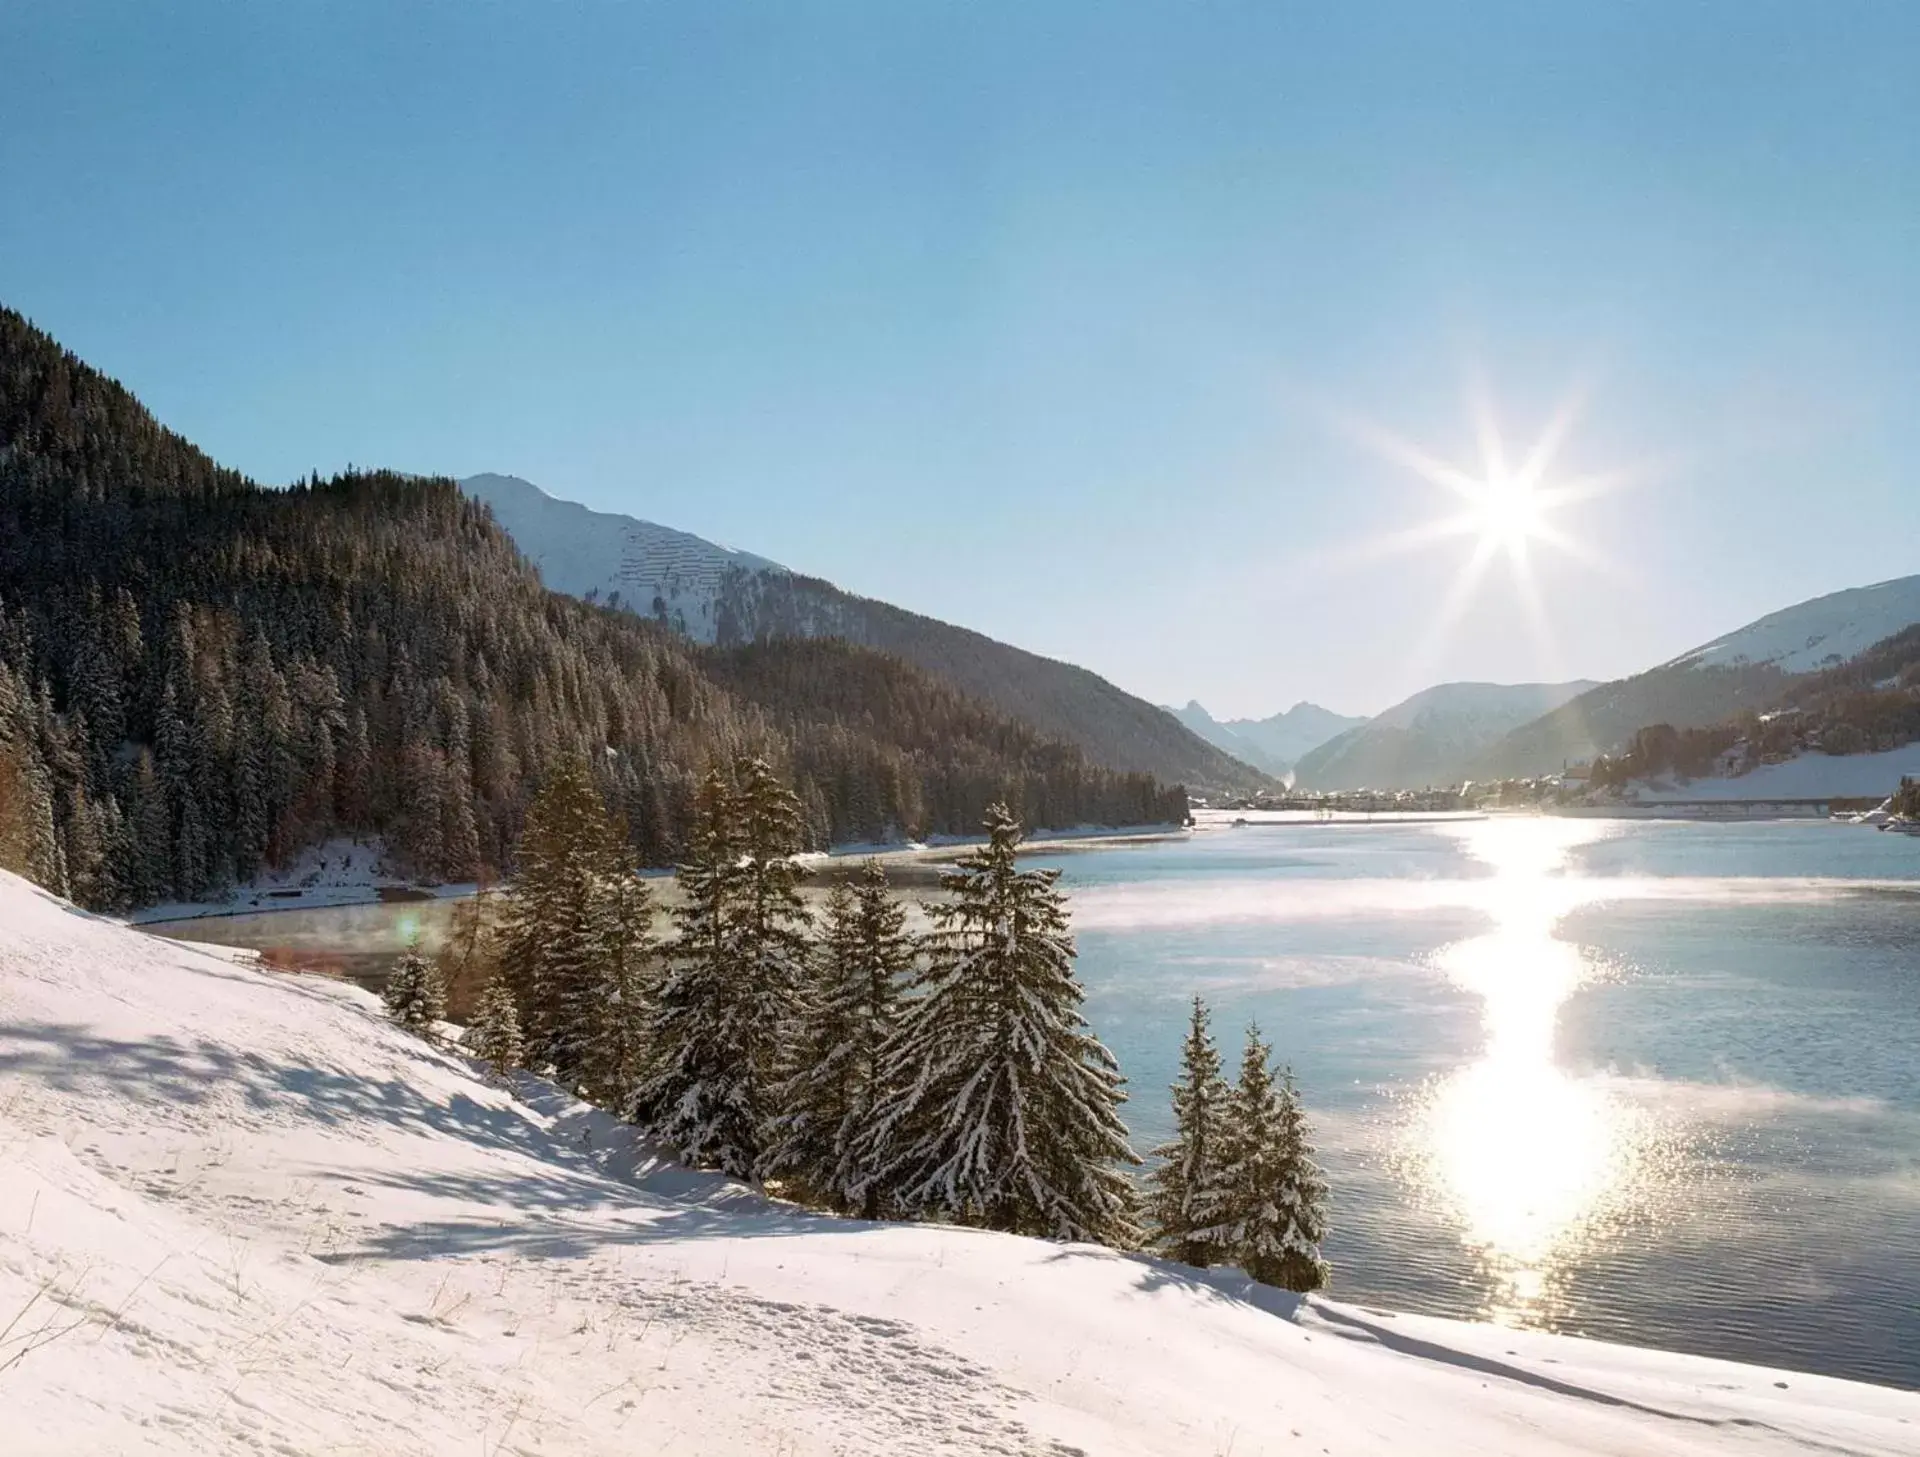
(272, 899)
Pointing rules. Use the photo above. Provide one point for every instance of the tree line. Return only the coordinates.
(858, 1065)
(201, 678)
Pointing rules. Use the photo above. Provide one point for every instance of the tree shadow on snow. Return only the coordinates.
(579, 1178)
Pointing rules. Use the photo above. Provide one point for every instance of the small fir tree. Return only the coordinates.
(1187, 1198)
(1303, 1194)
(414, 996)
(1007, 1109)
(834, 1081)
(1276, 1199)
(495, 1038)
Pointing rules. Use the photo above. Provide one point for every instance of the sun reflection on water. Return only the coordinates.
(1530, 1161)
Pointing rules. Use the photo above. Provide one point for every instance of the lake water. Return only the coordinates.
(1649, 1081)
(1655, 1082)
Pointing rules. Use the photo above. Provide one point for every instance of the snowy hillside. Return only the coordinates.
(1805, 776)
(1435, 737)
(655, 570)
(1273, 743)
(239, 1213)
(1816, 634)
(1745, 671)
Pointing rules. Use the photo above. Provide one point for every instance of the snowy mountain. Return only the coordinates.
(242, 1213)
(1815, 634)
(717, 595)
(1746, 670)
(1273, 744)
(1435, 737)
(654, 570)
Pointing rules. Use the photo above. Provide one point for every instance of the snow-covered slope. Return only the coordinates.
(1805, 776)
(1434, 737)
(1274, 743)
(239, 1213)
(1816, 634)
(654, 570)
(1745, 671)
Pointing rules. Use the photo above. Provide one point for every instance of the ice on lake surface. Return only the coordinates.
(1651, 1081)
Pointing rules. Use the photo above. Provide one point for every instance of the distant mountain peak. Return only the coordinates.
(652, 570)
(1437, 736)
(1272, 744)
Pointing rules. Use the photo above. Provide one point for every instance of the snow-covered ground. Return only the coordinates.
(337, 873)
(1807, 776)
(241, 1213)
(1818, 633)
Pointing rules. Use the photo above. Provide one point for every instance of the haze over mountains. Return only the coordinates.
(1433, 737)
(717, 595)
(1274, 744)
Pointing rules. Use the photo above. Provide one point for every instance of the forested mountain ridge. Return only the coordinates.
(715, 594)
(200, 676)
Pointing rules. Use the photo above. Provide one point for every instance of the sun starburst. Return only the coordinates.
(1505, 506)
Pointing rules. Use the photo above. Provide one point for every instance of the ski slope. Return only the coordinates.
(239, 1213)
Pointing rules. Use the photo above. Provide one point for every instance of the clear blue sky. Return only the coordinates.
(1032, 316)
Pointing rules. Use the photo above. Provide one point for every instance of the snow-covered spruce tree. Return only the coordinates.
(1006, 1109)
(495, 1036)
(726, 1002)
(1303, 1193)
(833, 1081)
(1276, 1200)
(615, 1058)
(691, 1096)
(553, 941)
(1187, 1190)
(413, 994)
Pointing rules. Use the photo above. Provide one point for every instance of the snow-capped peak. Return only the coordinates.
(655, 570)
(1816, 634)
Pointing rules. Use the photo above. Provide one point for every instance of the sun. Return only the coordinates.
(1507, 505)
(1507, 513)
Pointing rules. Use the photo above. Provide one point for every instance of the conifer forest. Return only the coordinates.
(200, 677)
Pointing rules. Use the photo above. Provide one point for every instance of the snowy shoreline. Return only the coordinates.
(343, 873)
